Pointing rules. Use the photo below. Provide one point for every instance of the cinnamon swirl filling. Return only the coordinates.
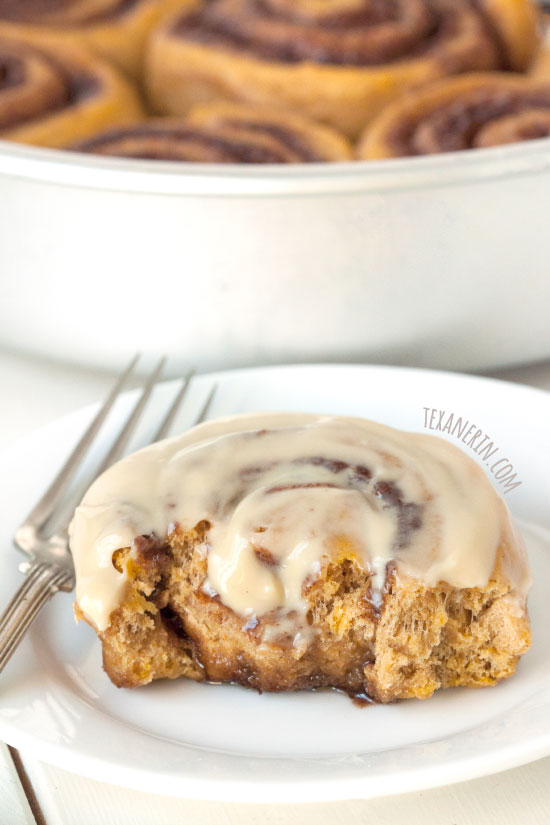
(462, 113)
(114, 29)
(223, 133)
(340, 62)
(342, 33)
(56, 95)
(34, 84)
(63, 12)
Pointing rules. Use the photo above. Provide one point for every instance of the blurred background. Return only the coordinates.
(278, 182)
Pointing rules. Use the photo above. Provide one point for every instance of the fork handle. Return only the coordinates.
(41, 582)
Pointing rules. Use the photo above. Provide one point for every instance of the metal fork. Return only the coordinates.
(50, 567)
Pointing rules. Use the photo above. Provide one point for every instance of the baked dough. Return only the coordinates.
(53, 97)
(114, 29)
(472, 111)
(225, 133)
(339, 62)
(290, 551)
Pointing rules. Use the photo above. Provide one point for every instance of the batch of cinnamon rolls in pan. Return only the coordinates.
(272, 81)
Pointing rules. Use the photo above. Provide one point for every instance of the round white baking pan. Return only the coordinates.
(435, 261)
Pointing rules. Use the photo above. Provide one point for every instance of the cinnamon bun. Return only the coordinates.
(339, 62)
(224, 133)
(467, 112)
(291, 551)
(53, 97)
(115, 29)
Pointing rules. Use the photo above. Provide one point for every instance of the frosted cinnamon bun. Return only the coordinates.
(224, 133)
(339, 62)
(53, 97)
(291, 551)
(467, 112)
(115, 29)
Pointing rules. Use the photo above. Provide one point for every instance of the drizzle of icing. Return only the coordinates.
(282, 493)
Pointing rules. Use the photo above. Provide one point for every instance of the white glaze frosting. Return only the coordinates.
(282, 492)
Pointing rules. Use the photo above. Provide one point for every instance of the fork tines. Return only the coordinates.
(34, 527)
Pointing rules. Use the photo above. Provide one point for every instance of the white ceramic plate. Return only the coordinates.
(226, 743)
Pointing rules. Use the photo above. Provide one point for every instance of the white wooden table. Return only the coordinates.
(35, 392)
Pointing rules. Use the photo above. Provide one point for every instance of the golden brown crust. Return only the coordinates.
(225, 133)
(340, 66)
(470, 111)
(419, 640)
(52, 97)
